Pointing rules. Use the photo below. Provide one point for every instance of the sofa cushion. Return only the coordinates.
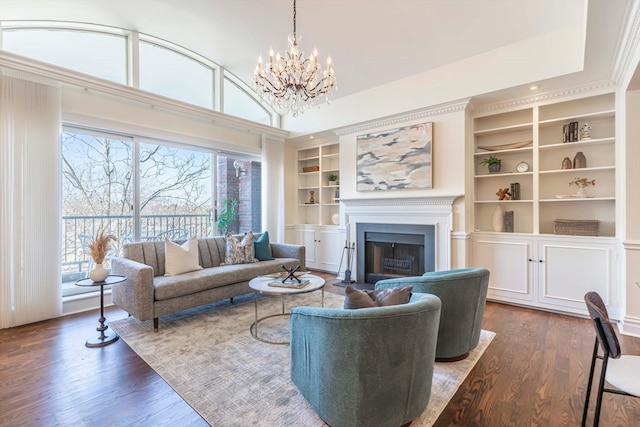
(181, 258)
(167, 287)
(355, 298)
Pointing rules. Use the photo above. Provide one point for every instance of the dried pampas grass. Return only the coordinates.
(99, 246)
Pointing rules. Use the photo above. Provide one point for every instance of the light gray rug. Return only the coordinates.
(208, 357)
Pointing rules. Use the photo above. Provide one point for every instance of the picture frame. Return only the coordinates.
(395, 159)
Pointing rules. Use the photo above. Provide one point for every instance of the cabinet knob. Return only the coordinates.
(541, 260)
(530, 260)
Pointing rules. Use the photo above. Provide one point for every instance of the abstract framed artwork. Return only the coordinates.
(396, 159)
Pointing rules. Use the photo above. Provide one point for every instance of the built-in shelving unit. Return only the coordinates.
(532, 265)
(545, 193)
(315, 165)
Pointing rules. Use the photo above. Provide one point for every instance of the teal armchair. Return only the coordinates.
(369, 366)
(463, 293)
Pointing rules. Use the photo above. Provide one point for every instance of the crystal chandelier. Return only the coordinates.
(293, 82)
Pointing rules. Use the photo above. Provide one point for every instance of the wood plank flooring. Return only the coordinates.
(533, 374)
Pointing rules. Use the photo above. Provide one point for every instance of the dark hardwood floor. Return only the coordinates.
(533, 374)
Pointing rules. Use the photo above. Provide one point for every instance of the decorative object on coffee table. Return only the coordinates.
(493, 163)
(579, 161)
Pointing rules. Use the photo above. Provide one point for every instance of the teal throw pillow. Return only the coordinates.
(263, 248)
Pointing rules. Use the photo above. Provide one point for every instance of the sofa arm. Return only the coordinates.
(288, 250)
(136, 294)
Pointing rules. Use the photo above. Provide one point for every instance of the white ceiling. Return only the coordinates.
(371, 42)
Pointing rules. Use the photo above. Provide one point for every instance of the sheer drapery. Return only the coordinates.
(30, 123)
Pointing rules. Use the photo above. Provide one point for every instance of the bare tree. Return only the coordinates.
(98, 177)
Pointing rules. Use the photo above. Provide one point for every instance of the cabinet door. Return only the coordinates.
(331, 244)
(307, 238)
(508, 262)
(571, 269)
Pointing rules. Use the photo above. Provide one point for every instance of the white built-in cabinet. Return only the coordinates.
(323, 246)
(319, 207)
(533, 265)
(548, 272)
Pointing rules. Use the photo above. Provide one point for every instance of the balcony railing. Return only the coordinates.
(77, 232)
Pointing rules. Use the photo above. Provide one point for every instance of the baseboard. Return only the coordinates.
(630, 325)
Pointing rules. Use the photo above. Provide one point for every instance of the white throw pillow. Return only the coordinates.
(181, 258)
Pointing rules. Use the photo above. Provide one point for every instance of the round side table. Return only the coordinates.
(108, 337)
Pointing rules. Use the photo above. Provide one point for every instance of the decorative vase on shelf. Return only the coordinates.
(582, 192)
(566, 163)
(497, 219)
(99, 273)
(579, 161)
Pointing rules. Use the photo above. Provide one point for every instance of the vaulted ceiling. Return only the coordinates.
(371, 42)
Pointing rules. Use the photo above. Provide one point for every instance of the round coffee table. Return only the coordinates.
(260, 285)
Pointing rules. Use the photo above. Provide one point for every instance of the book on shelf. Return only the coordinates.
(289, 284)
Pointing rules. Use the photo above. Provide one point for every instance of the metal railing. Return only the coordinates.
(78, 230)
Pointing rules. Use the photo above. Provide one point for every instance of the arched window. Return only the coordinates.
(100, 54)
(163, 67)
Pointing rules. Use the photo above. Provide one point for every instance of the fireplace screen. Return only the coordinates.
(394, 250)
(389, 255)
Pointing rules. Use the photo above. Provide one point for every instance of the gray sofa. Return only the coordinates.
(148, 294)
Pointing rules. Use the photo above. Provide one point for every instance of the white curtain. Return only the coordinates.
(30, 124)
(273, 188)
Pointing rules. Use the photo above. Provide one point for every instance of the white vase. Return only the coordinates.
(497, 219)
(99, 273)
(582, 192)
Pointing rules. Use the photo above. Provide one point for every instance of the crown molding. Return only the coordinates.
(630, 43)
(601, 87)
(436, 110)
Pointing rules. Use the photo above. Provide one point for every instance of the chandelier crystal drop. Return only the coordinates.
(293, 82)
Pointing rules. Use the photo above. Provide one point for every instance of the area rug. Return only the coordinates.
(208, 356)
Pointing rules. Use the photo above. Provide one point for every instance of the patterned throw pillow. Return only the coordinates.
(355, 298)
(239, 252)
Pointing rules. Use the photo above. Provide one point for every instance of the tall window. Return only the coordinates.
(169, 193)
(97, 194)
(175, 192)
(239, 199)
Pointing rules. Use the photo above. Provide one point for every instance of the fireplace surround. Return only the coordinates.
(434, 211)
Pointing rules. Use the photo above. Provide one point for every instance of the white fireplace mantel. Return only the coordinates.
(437, 211)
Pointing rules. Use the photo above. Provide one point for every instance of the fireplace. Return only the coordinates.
(394, 250)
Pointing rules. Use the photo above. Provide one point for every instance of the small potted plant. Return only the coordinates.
(493, 163)
(333, 179)
(582, 184)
